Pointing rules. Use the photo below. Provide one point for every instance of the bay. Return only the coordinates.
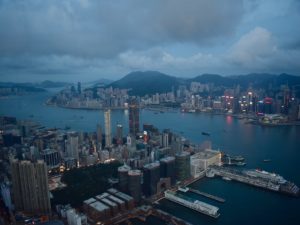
(244, 204)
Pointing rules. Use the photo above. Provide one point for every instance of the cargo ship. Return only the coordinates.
(196, 205)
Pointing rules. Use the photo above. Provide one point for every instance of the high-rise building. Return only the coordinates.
(79, 88)
(73, 146)
(119, 133)
(99, 134)
(165, 139)
(30, 186)
(107, 128)
(182, 166)
(167, 168)
(51, 158)
(123, 177)
(134, 119)
(151, 178)
(5, 193)
(134, 184)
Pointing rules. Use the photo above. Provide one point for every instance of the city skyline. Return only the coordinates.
(149, 112)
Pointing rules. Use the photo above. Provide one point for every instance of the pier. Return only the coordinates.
(213, 197)
(196, 205)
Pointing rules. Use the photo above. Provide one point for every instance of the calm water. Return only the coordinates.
(244, 204)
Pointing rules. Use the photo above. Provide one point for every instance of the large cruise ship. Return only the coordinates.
(273, 177)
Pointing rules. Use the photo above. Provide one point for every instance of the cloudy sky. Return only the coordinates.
(86, 40)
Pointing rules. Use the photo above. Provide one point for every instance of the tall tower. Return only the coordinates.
(119, 133)
(30, 186)
(99, 134)
(73, 146)
(134, 119)
(107, 128)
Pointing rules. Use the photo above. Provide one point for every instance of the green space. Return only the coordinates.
(83, 183)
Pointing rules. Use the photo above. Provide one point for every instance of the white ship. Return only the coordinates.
(273, 177)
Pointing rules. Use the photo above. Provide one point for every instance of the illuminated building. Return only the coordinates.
(268, 105)
(107, 128)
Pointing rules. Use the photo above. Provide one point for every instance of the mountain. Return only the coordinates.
(215, 79)
(8, 88)
(100, 82)
(151, 82)
(148, 82)
(52, 84)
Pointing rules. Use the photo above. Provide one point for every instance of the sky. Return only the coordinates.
(86, 40)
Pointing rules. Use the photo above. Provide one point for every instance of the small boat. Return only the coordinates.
(205, 133)
(267, 160)
(237, 158)
(183, 189)
(226, 178)
(240, 164)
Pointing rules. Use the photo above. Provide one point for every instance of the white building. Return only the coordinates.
(202, 160)
(73, 218)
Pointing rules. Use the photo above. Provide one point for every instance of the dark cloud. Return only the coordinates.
(85, 39)
(106, 28)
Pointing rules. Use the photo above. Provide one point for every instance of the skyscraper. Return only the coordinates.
(119, 134)
(151, 178)
(182, 166)
(99, 134)
(107, 128)
(30, 186)
(73, 146)
(134, 118)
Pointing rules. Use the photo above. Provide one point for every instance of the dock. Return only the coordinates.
(196, 205)
(207, 195)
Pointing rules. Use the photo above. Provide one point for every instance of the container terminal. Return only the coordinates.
(258, 178)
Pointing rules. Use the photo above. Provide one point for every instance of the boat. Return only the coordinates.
(267, 160)
(205, 133)
(237, 158)
(273, 177)
(226, 178)
(240, 164)
(183, 189)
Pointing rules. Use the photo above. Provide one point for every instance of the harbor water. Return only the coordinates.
(244, 204)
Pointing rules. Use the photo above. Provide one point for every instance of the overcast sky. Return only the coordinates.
(85, 40)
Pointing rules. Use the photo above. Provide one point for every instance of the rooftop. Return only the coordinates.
(168, 159)
(206, 154)
(99, 206)
(152, 165)
(89, 201)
